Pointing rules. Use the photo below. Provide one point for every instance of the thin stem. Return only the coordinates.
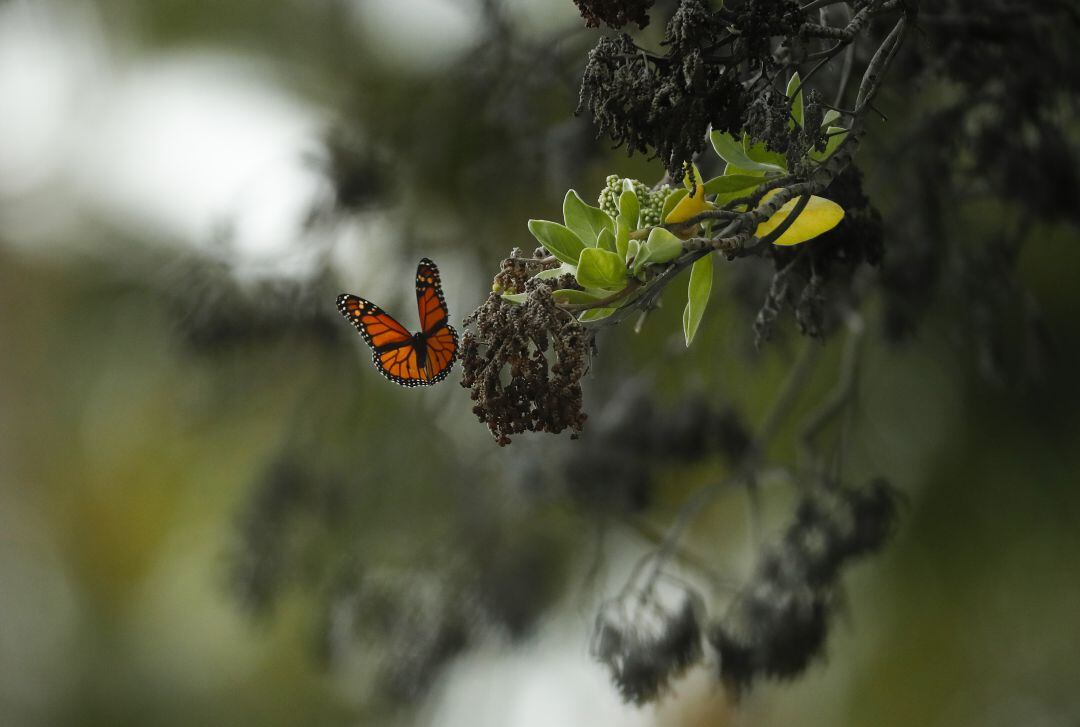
(845, 74)
(846, 386)
(780, 410)
(690, 510)
(846, 34)
(787, 222)
(879, 65)
(793, 385)
(811, 6)
(825, 56)
(683, 555)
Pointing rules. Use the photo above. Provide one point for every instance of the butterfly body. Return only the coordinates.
(423, 358)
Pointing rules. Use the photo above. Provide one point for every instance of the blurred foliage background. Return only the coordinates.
(212, 510)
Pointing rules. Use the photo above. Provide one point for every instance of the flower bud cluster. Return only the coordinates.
(650, 201)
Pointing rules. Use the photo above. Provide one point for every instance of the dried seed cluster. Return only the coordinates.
(646, 652)
(759, 21)
(516, 269)
(779, 622)
(664, 104)
(523, 363)
(615, 13)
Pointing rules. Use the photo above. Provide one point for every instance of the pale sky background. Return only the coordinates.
(167, 148)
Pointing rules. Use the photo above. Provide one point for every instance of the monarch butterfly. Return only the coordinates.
(408, 359)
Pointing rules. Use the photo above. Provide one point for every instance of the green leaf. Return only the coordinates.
(830, 116)
(661, 247)
(601, 269)
(559, 240)
(515, 297)
(622, 237)
(570, 295)
(727, 188)
(606, 241)
(585, 220)
(633, 249)
(595, 314)
(629, 209)
(761, 154)
(797, 101)
(732, 183)
(701, 279)
(556, 272)
(836, 138)
(732, 152)
(733, 171)
(673, 199)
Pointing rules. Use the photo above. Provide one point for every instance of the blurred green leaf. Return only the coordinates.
(830, 116)
(559, 240)
(760, 154)
(701, 279)
(661, 247)
(595, 314)
(672, 200)
(836, 138)
(732, 152)
(622, 237)
(601, 269)
(556, 272)
(585, 220)
(629, 209)
(727, 188)
(797, 102)
(606, 241)
(515, 297)
(733, 171)
(571, 295)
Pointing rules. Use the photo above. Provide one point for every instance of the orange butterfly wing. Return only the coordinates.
(392, 344)
(402, 366)
(378, 327)
(442, 349)
(441, 340)
(430, 303)
(394, 349)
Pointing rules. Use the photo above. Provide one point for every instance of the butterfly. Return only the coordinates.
(409, 359)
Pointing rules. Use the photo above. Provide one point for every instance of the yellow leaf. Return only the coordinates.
(690, 206)
(820, 215)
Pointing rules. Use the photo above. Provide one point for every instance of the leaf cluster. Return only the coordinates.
(616, 248)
